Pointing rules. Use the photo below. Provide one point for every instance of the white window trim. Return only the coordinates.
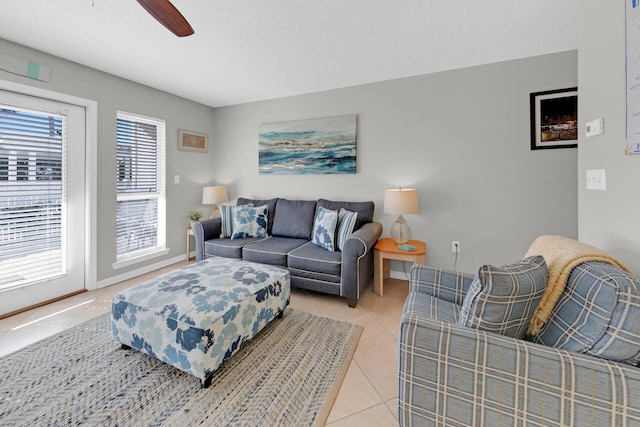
(161, 249)
(91, 166)
(139, 256)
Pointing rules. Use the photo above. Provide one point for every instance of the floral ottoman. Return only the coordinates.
(196, 317)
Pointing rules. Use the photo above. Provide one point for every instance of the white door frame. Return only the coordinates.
(91, 168)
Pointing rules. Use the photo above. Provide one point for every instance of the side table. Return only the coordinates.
(385, 250)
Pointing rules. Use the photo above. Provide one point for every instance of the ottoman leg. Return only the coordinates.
(280, 315)
(205, 383)
(124, 347)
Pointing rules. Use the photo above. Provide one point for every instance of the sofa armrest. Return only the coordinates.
(443, 284)
(206, 230)
(362, 240)
(357, 260)
(453, 375)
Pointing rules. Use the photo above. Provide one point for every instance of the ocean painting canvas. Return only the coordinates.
(316, 146)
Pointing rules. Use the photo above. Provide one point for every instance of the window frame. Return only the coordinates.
(160, 248)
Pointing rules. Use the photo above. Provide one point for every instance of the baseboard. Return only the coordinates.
(400, 275)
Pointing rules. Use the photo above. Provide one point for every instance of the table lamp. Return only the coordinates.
(401, 201)
(214, 196)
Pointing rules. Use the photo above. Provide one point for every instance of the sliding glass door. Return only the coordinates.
(42, 200)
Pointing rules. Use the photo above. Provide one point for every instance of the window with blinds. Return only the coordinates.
(140, 185)
(32, 188)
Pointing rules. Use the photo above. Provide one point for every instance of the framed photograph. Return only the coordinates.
(193, 141)
(554, 119)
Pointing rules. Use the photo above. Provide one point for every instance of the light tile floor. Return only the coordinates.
(369, 393)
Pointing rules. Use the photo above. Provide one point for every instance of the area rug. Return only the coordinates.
(288, 375)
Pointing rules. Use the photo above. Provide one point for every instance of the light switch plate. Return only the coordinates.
(596, 179)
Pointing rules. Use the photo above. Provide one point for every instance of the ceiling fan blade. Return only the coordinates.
(167, 14)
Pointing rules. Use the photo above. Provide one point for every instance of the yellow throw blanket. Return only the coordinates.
(562, 255)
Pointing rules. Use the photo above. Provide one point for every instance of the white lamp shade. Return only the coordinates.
(214, 195)
(401, 201)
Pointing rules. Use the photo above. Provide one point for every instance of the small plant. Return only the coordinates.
(195, 215)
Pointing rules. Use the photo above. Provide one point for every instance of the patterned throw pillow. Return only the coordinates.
(502, 299)
(249, 221)
(598, 314)
(324, 228)
(226, 218)
(346, 224)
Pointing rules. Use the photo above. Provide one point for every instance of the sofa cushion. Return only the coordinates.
(502, 299)
(598, 314)
(271, 203)
(310, 257)
(346, 224)
(324, 229)
(313, 276)
(227, 248)
(364, 209)
(294, 218)
(272, 251)
(249, 221)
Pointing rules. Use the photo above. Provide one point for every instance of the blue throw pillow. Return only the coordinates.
(226, 219)
(346, 224)
(502, 299)
(249, 221)
(324, 228)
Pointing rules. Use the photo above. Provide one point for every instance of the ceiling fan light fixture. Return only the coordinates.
(167, 14)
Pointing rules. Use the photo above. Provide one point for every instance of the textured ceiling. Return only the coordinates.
(250, 50)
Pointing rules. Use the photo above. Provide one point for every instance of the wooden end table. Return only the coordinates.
(385, 250)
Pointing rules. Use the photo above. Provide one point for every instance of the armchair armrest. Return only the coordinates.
(453, 375)
(206, 230)
(357, 260)
(446, 285)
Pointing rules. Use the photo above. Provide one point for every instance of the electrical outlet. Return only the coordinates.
(455, 246)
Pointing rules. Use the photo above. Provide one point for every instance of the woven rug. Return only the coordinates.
(288, 375)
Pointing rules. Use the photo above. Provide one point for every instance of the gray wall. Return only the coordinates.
(607, 219)
(112, 94)
(461, 138)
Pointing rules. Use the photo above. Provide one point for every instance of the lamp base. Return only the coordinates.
(400, 232)
(214, 212)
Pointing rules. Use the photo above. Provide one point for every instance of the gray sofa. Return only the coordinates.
(288, 244)
(580, 369)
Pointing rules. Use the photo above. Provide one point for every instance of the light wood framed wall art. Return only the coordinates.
(189, 140)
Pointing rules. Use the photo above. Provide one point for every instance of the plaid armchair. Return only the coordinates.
(453, 375)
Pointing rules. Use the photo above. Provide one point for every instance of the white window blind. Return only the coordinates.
(32, 189)
(140, 185)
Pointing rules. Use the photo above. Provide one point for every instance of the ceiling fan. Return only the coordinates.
(167, 14)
